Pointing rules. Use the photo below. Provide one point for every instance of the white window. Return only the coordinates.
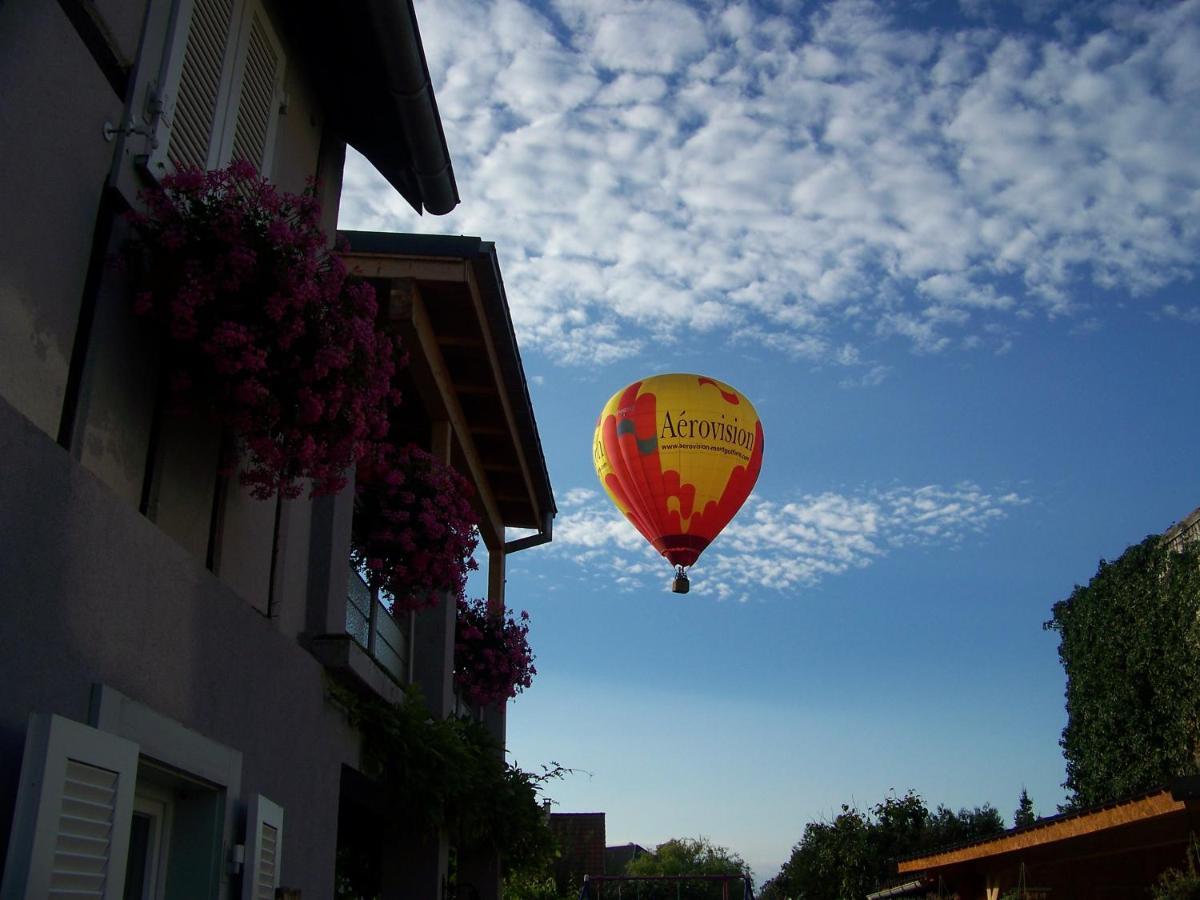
(219, 90)
(138, 807)
(149, 844)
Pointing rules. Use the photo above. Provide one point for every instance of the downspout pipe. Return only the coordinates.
(411, 93)
(544, 535)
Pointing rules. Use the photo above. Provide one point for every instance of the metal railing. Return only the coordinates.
(373, 628)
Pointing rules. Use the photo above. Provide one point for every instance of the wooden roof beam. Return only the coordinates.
(405, 306)
(369, 265)
(460, 340)
(506, 405)
(476, 389)
(502, 468)
(489, 430)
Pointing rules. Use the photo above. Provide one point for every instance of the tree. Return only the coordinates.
(1176, 884)
(1129, 642)
(772, 890)
(536, 885)
(948, 827)
(832, 860)
(688, 856)
(854, 853)
(1024, 814)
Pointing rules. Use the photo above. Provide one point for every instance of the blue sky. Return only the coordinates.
(949, 252)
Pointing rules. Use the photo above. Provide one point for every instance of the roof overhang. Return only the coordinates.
(445, 297)
(369, 70)
(1146, 811)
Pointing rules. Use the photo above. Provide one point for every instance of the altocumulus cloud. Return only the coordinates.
(779, 547)
(814, 183)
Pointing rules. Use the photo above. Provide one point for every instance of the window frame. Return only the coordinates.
(163, 740)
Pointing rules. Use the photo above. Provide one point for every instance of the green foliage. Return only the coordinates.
(536, 885)
(452, 773)
(687, 856)
(1130, 645)
(851, 855)
(948, 827)
(832, 860)
(1176, 884)
(1024, 814)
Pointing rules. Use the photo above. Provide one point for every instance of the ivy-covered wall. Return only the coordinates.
(1130, 645)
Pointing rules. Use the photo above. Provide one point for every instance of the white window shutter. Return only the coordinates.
(253, 113)
(70, 835)
(264, 849)
(199, 89)
(192, 88)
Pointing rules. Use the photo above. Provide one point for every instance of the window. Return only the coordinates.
(149, 845)
(175, 846)
(220, 87)
(137, 808)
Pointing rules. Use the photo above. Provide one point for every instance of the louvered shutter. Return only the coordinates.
(70, 835)
(264, 849)
(192, 86)
(249, 131)
(197, 94)
(222, 88)
(257, 101)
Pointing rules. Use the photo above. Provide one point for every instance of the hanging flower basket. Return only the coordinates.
(264, 330)
(414, 526)
(492, 658)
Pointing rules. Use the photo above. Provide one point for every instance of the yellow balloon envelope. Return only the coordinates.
(678, 455)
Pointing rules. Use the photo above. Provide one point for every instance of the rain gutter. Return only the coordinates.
(410, 92)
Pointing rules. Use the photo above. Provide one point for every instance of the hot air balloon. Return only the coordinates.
(678, 455)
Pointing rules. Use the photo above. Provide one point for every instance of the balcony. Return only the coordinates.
(388, 640)
(360, 638)
(370, 624)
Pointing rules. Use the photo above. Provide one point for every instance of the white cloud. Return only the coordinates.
(658, 37)
(1189, 314)
(783, 546)
(647, 173)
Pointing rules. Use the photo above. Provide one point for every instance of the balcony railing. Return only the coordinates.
(373, 628)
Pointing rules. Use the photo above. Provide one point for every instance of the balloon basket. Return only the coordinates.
(680, 584)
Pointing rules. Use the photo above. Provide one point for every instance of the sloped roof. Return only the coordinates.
(373, 80)
(1140, 808)
(458, 314)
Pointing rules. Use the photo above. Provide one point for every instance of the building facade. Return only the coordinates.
(165, 638)
(581, 844)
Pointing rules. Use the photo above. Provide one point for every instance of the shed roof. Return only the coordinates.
(1141, 808)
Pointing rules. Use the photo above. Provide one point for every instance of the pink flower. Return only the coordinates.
(492, 659)
(242, 280)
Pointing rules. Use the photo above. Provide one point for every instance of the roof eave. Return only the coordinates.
(369, 67)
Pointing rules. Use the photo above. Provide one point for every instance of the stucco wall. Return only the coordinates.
(173, 461)
(93, 592)
(54, 162)
(54, 102)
